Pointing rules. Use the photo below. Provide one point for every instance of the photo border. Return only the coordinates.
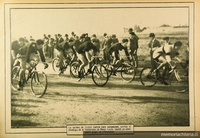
(49, 130)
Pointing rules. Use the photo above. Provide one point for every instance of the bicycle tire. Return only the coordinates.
(148, 78)
(15, 77)
(74, 67)
(128, 73)
(100, 75)
(39, 84)
(179, 81)
(55, 64)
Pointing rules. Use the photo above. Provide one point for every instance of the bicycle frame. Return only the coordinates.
(93, 63)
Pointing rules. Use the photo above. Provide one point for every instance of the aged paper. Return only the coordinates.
(33, 19)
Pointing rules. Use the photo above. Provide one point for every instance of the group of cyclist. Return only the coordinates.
(85, 47)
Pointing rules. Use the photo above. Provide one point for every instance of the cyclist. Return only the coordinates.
(96, 42)
(34, 51)
(63, 49)
(164, 54)
(114, 50)
(19, 52)
(85, 52)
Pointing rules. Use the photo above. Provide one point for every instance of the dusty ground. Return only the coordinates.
(70, 102)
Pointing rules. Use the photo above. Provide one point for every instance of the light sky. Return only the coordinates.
(36, 22)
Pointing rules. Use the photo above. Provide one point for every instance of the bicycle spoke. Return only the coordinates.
(55, 65)
(127, 73)
(74, 67)
(147, 77)
(179, 82)
(100, 75)
(39, 84)
(15, 77)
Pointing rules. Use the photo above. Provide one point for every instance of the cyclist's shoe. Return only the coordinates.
(89, 71)
(45, 65)
(19, 87)
(79, 74)
(114, 73)
(61, 72)
(165, 83)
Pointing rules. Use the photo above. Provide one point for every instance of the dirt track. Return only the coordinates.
(70, 102)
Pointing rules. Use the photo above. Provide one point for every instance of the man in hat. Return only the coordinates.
(153, 45)
(114, 39)
(66, 38)
(103, 45)
(96, 42)
(60, 39)
(130, 30)
(133, 46)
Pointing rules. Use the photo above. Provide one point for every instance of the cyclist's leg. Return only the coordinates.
(136, 56)
(84, 62)
(153, 63)
(61, 56)
(161, 59)
(22, 73)
(165, 71)
(89, 56)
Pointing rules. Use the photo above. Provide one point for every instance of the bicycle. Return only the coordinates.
(127, 70)
(38, 79)
(65, 63)
(178, 79)
(98, 71)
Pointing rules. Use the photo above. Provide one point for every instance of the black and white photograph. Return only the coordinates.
(99, 64)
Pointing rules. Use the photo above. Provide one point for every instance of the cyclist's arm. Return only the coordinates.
(13, 54)
(168, 56)
(41, 55)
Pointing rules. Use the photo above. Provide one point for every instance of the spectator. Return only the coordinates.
(133, 46)
(153, 45)
(60, 39)
(96, 42)
(45, 46)
(66, 38)
(51, 48)
(114, 39)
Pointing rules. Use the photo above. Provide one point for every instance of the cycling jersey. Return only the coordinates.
(34, 50)
(85, 47)
(163, 50)
(115, 48)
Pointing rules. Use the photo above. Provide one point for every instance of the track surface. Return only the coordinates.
(68, 101)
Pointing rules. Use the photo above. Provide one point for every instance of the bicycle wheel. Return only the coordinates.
(128, 73)
(100, 75)
(179, 81)
(55, 64)
(38, 83)
(74, 69)
(15, 77)
(147, 77)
